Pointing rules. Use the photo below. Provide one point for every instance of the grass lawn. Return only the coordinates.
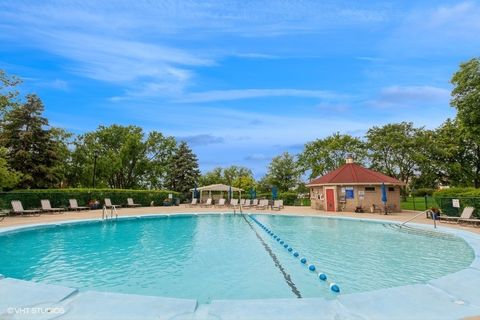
(419, 203)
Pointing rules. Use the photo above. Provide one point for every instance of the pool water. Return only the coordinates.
(208, 257)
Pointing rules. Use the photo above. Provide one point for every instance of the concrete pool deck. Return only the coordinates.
(454, 296)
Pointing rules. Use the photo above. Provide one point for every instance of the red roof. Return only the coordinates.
(352, 173)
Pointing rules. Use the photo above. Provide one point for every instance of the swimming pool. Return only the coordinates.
(207, 257)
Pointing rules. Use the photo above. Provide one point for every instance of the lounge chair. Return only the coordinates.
(234, 203)
(108, 204)
(132, 204)
(466, 214)
(47, 207)
(221, 203)
(469, 220)
(193, 203)
(277, 205)
(2, 216)
(18, 208)
(247, 204)
(262, 205)
(242, 202)
(74, 205)
(254, 203)
(207, 204)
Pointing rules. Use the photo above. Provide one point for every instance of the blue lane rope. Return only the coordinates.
(322, 276)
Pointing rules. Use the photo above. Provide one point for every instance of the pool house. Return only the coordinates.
(352, 187)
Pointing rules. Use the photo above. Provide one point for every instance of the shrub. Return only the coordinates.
(422, 192)
(59, 197)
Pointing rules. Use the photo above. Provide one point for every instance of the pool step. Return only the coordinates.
(419, 232)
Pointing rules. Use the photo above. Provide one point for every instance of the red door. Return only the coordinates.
(330, 200)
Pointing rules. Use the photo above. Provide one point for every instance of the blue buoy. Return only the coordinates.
(322, 276)
(290, 249)
(285, 246)
(295, 254)
(311, 267)
(303, 260)
(334, 287)
(282, 242)
(274, 237)
(278, 239)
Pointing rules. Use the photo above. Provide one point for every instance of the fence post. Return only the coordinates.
(426, 202)
(413, 197)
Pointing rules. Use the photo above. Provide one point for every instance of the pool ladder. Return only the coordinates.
(113, 210)
(239, 208)
(417, 215)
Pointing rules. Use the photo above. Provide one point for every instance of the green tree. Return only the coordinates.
(183, 171)
(324, 155)
(8, 177)
(466, 96)
(283, 173)
(395, 149)
(8, 92)
(126, 158)
(34, 148)
(214, 176)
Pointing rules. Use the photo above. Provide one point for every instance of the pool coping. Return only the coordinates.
(451, 296)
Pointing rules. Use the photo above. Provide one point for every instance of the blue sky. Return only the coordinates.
(241, 81)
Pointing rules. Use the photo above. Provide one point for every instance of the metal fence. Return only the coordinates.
(451, 207)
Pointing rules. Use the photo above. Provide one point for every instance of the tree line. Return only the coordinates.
(33, 154)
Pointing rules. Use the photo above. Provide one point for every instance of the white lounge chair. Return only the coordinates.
(254, 203)
(74, 205)
(207, 204)
(221, 203)
(466, 214)
(469, 219)
(18, 208)
(47, 207)
(248, 203)
(234, 203)
(108, 204)
(193, 203)
(132, 204)
(262, 205)
(277, 205)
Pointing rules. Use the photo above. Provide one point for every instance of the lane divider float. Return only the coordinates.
(321, 276)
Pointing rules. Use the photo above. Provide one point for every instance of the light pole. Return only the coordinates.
(95, 156)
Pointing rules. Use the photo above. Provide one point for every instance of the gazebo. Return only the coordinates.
(351, 187)
(216, 188)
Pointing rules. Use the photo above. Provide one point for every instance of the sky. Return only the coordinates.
(240, 81)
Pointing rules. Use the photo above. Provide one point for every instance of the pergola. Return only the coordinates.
(216, 188)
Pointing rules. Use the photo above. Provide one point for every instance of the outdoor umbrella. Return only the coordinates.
(252, 193)
(384, 197)
(274, 193)
(195, 192)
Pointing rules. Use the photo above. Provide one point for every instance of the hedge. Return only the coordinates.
(469, 197)
(289, 198)
(422, 192)
(59, 197)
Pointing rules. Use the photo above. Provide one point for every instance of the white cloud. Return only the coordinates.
(237, 94)
(411, 96)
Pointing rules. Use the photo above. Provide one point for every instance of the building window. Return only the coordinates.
(391, 189)
(370, 189)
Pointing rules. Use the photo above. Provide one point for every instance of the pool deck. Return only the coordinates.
(454, 296)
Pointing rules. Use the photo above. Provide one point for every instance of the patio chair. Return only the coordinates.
(262, 205)
(18, 208)
(466, 214)
(74, 205)
(207, 204)
(132, 204)
(254, 203)
(234, 203)
(469, 220)
(376, 209)
(247, 204)
(193, 203)
(277, 205)
(221, 203)
(2, 216)
(47, 207)
(108, 204)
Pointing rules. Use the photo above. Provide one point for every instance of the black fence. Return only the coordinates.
(448, 205)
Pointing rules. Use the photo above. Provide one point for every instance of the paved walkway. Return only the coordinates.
(80, 215)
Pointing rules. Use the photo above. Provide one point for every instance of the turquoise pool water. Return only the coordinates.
(208, 257)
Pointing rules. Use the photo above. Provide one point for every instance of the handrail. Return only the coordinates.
(104, 212)
(114, 209)
(417, 215)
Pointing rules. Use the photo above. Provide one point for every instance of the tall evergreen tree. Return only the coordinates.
(32, 146)
(183, 171)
